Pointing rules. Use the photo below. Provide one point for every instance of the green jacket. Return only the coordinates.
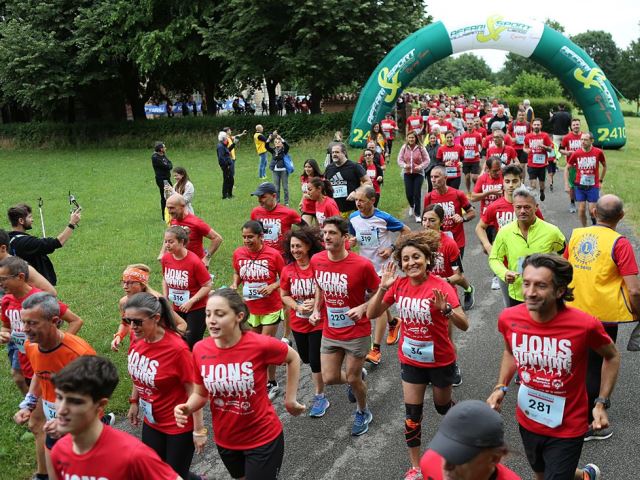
(543, 237)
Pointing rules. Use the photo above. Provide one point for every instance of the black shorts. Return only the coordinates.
(537, 173)
(552, 167)
(260, 463)
(556, 457)
(441, 377)
(471, 167)
(522, 156)
(491, 233)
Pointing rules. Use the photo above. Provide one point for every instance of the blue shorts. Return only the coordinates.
(588, 194)
(12, 353)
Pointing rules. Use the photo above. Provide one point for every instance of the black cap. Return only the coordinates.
(467, 429)
(265, 187)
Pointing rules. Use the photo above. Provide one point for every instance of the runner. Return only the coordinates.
(551, 408)
(586, 161)
(343, 279)
(500, 149)
(161, 369)
(390, 130)
(488, 188)
(519, 129)
(258, 267)
(345, 177)
(319, 191)
(185, 282)
(537, 146)
(413, 159)
(471, 141)
(92, 449)
(48, 351)
(298, 291)
(374, 172)
(425, 304)
(451, 156)
(229, 365)
(307, 207)
(415, 123)
(571, 142)
(371, 229)
(468, 445)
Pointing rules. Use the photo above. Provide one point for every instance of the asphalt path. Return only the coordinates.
(323, 448)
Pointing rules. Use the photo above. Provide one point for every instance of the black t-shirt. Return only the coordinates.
(344, 179)
(560, 122)
(34, 251)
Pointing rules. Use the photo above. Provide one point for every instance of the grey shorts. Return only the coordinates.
(357, 347)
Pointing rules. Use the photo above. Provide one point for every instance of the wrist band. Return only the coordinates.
(71, 226)
(119, 335)
(30, 401)
(200, 433)
(133, 401)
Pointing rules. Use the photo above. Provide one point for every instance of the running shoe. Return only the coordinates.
(319, 407)
(542, 197)
(286, 340)
(591, 471)
(273, 390)
(572, 208)
(418, 219)
(495, 283)
(413, 474)
(551, 187)
(469, 299)
(350, 395)
(394, 332)
(109, 419)
(457, 376)
(601, 434)
(361, 422)
(411, 211)
(374, 356)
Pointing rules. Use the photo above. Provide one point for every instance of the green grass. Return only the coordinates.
(121, 225)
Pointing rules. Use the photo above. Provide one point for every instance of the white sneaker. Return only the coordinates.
(410, 211)
(273, 389)
(495, 283)
(418, 219)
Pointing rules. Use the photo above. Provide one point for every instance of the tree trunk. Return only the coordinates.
(271, 92)
(209, 95)
(131, 85)
(71, 110)
(316, 98)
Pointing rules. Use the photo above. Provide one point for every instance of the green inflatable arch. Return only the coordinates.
(535, 40)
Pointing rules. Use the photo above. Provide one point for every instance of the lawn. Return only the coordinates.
(121, 225)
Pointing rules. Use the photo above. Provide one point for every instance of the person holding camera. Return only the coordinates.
(162, 168)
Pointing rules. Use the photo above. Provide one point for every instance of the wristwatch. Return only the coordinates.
(448, 310)
(605, 401)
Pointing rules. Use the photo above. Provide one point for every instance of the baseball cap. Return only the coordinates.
(468, 428)
(265, 187)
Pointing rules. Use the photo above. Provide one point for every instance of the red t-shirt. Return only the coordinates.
(487, 118)
(308, 205)
(447, 256)
(326, 208)
(432, 468)
(453, 201)
(159, 371)
(470, 113)
(506, 153)
(452, 158)
(486, 183)
(184, 278)
(10, 308)
(415, 124)
(488, 142)
(236, 378)
(481, 130)
(537, 157)
(431, 121)
(256, 270)
(198, 230)
(445, 126)
(519, 130)
(551, 360)
(571, 141)
(424, 340)
(301, 286)
(344, 286)
(471, 142)
(388, 128)
(276, 223)
(115, 455)
(587, 166)
(501, 212)
(372, 173)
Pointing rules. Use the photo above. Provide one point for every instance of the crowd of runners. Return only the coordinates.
(336, 279)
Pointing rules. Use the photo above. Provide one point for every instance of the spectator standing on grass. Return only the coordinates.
(225, 160)
(261, 141)
(183, 186)
(162, 168)
(277, 166)
(560, 123)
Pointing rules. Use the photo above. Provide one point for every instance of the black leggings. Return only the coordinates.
(176, 450)
(308, 345)
(195, 326)
(260, 463)
(454, 182)
(594, 369)
(163, 201)
(413, 190)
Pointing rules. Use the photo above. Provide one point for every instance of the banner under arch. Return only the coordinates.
(573, 67)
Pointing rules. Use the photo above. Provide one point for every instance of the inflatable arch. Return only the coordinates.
(535, 40)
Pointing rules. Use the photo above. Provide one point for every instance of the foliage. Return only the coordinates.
(541, 106)
(629, 72)
(601, 47)
(535, 85)
(453, 71)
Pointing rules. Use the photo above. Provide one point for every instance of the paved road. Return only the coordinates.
(323, 448)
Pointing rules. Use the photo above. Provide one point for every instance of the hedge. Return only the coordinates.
(178, 132)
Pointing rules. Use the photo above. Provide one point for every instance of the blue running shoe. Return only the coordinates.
(361, 422)
(350, 395)
(319, 407)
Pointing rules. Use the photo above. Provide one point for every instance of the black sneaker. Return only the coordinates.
(601, 434)
(542, 197)
(551, 187)
(457, 375)
(469, 299)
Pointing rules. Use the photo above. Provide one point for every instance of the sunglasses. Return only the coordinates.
(136, 322)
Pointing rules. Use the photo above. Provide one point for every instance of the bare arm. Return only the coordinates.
(609, 374)
(74, 321)
(73, 220)
(216, 241)
(38, 281)
(507, 370)
(633, 285)
(481, 233)
(293, 376)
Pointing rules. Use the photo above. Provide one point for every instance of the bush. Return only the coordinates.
(535, 85)
(177, 132)
(541, 107)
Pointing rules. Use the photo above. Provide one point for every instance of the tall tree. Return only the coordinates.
(628, 72)
(600, 46)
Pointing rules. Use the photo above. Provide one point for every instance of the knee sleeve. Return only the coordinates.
(413, 424)
(443, 409)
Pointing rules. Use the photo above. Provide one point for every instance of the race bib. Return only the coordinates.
(49, 409)
(320, 216)
(147, 410)
(587, 180)
(251, 290)
(539, 158)
(368, 238)
(469, 154)
(18, 339)
(302, 315)
(520, 139)
(544, 408)
(179, 297)
(387, 134)
(338, 318)
(419, 351)
(340, 191)
(371, 173)
(271, 233)
(452, 171)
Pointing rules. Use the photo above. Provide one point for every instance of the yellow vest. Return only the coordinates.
(599, 289)
(260, 144)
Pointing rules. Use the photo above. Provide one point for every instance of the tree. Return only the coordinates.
(628, 72)
(535, 85)
(452, 71)
(601, 47)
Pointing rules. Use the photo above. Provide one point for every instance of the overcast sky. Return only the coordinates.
(576, 16)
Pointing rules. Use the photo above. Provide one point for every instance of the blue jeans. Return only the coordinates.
(262, 170)
(278, 177)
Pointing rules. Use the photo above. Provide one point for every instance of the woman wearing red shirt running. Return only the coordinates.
(320, 191)
(311, 169)
(374, 172)
(426, 304)
(230, 366)
(161, 368)
(185, 282)
(451, 156)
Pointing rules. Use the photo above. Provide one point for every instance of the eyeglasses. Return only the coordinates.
(8, 277)
(136, 322)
